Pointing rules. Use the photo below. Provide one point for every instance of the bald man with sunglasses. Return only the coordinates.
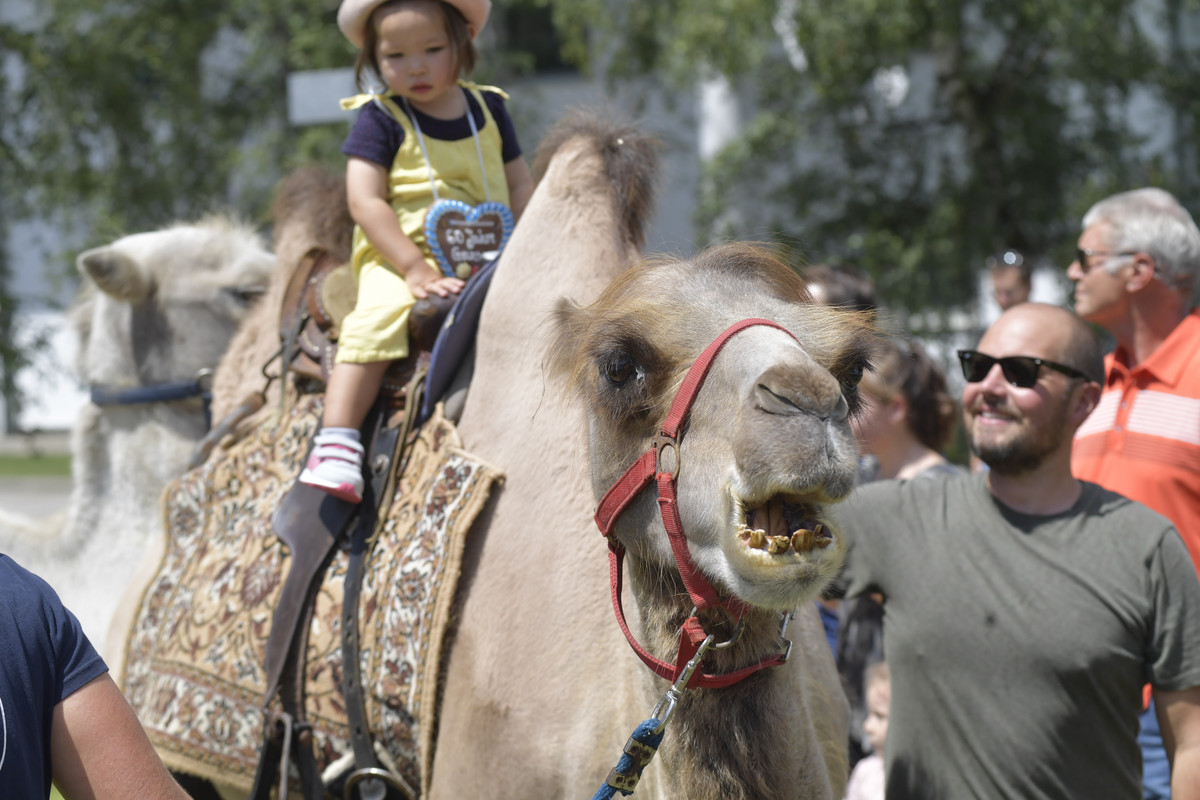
(1135, 269)
(1023, 608)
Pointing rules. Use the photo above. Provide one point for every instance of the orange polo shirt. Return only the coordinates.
(1143, 439)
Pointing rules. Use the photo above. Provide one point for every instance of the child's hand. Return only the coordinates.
(424, 280)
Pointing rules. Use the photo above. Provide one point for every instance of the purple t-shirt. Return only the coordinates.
(376, 136)
(44, 658)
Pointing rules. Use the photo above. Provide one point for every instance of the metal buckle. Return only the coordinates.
(662, 444)
(666, 704)
(372, 790)
(204, 380)
(786, 617)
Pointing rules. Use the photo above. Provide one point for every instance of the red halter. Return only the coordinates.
(637, 478)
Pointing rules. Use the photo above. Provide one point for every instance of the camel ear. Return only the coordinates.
(569, 321)
(115, 274)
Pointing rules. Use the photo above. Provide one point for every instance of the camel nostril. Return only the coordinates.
(800, 386)
(773, 402)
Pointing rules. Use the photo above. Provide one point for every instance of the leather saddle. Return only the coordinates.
(312, 524)
(320, 294)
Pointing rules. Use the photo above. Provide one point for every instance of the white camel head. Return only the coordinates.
(167, 302)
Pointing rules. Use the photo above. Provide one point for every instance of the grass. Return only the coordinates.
(39, 466)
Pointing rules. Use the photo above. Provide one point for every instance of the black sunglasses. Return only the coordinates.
(1020, 371)
(1084, 257)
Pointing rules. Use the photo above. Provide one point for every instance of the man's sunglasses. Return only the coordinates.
(1084, 257)
(1020, 371)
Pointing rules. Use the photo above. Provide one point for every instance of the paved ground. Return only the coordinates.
(47, 442)
(35, 496)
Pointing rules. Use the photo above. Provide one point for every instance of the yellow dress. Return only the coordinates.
(377, 328)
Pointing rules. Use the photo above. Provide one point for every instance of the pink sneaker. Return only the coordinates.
(335, 466)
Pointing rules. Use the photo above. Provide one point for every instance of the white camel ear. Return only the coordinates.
(115, 274)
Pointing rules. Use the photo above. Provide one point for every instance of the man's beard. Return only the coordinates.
(1025, 451)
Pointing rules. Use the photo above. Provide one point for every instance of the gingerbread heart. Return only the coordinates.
(462, 237)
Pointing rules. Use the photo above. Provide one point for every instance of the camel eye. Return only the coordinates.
(617, 368)
(853, 376)
(245, 295)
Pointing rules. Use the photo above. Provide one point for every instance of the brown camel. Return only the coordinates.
(539, 689)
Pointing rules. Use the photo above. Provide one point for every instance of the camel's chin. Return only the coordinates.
(781, 553)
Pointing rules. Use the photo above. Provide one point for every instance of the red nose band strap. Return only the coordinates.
(699, 371)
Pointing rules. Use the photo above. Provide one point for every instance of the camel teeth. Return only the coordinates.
(758, 539)
(778, 544)
(802, 540)
(822, 537)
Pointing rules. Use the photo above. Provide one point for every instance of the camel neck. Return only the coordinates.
(663, 606)
(714, 738)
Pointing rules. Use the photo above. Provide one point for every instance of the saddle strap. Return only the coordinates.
(310, 522)
(390, 446)
(287, 737)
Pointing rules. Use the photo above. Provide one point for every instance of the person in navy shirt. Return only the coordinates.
(62, 717)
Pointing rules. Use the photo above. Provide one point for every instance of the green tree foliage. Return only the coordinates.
(117, 117)
(1020, 113)
(136, 114)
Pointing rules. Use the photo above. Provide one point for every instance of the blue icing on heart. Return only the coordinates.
(465, 250)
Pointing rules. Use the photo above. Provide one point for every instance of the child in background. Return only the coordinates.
(431, 137)
(867, 778)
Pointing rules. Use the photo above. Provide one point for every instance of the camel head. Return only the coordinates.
(767, 443)
(159, 307)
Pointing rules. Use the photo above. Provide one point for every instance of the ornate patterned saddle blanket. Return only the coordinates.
(194, 667)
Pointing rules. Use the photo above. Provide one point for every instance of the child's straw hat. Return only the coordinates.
(353, 15)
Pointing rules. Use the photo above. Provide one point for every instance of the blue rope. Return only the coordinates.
(639, 751)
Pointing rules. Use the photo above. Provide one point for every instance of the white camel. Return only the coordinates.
(156, 310)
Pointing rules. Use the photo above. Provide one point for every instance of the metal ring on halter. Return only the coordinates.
(732, 640)
(368, 773)
(661, 445)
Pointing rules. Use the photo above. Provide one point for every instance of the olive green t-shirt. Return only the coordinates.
(1018, 645)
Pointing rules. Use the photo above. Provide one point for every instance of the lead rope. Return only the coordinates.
(643, 743)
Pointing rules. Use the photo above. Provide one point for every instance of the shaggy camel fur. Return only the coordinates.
(541, 691)
(310, 210)
(156, 308)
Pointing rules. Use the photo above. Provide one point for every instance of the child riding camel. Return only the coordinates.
(429, 142)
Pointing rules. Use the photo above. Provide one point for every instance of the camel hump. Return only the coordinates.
(630, 158)
(315, 198)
